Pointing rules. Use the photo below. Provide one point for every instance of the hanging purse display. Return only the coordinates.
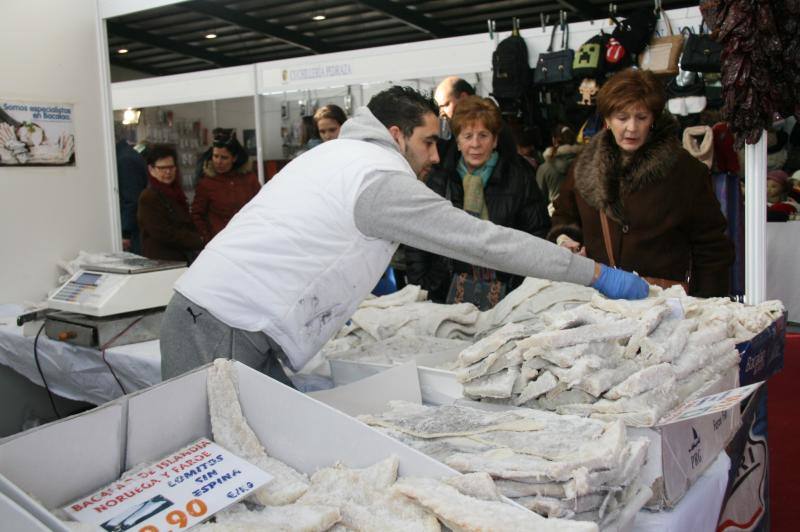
(701, 53)
(662, 54)
(555, 67)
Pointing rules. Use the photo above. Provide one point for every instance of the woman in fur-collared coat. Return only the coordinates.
(664, 220)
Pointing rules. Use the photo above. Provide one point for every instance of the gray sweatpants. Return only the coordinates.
(192, 337)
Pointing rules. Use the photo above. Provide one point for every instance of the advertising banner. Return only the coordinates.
(36, 134)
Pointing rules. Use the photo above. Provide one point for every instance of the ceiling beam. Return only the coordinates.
(411, 18)
(276, 31)
(132, 65)
(121, 30)
(583, 8)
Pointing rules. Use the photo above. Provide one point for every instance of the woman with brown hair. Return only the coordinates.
(329, 120)
(227, 184)
(483, 175)
(167, 231)
(636, 199)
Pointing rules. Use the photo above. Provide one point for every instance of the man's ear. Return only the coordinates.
(397, 135)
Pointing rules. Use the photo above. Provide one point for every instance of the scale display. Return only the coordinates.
(105, 293)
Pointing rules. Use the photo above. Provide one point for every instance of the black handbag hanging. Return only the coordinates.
(555, 67)
(701, 53)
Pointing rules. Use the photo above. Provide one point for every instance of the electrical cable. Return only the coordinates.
(41, 373)
(107, 344)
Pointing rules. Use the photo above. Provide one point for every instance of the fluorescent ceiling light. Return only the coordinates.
(318, 17)
(122, 51)
(131, 116)
(211, 36)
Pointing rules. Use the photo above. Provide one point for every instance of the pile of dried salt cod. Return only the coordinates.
(403, 326)
(628, 360)
(339, 498)
(559, 466)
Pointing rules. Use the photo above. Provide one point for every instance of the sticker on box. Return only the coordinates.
(178, 491)
(710, 404)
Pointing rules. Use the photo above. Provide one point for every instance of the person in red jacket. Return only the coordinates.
(227, 184)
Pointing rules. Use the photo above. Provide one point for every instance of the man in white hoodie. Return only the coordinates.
(293, 265)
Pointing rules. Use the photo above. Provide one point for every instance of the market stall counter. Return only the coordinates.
(79, 373)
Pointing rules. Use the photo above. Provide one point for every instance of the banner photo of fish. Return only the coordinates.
(36, 134)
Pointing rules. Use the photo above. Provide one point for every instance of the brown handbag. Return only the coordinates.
(656, 281)
(663, 53)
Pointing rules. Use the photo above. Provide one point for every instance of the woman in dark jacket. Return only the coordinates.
(228, 184)
(167, 231)
(482, 174)
(663, 219)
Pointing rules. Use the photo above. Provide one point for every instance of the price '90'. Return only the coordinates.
(195, 508)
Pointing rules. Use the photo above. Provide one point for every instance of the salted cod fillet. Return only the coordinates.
(232, 432)
(461, 512)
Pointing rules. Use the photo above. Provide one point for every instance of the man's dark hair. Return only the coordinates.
(161, 151)
(461, 86)
(403, 107)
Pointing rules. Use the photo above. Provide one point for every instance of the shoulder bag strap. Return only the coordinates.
(667, 22)
(552, 38)
(607, 239)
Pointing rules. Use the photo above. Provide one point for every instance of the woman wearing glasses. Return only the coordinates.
(227, 184)
(167, 231)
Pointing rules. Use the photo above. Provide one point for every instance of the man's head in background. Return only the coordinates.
(449, 92)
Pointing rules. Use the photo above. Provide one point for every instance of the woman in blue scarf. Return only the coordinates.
(482, 174)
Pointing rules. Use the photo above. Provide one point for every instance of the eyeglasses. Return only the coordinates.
(170, 168)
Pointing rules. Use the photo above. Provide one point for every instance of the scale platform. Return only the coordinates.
(96, 332)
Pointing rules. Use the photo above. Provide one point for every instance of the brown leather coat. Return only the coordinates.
(166, 229)
(218, 198)
(664, 218)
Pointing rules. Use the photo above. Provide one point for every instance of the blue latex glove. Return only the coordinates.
(619, 284)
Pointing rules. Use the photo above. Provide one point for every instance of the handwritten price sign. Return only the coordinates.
(179, 491)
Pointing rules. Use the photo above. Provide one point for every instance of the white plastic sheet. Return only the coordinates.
(79, 373)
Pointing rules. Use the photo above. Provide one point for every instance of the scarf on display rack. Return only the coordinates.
(173, 191)
(474, 182)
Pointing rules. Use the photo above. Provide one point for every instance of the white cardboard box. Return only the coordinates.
(438, 386)
(678, 453)
(50, 466)
(14, 517)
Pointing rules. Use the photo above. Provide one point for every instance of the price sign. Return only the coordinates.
(710, 404)
(179, 491)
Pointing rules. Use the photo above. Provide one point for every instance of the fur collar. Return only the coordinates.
(602, 177)
(208, 169)
(564, 149)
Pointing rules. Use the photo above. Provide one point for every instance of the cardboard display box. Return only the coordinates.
(438, 386)
(679, 452)
(762, 355)
(52, 465)
(16, 518)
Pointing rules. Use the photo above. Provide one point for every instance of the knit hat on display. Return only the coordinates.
(780, 177)
(699, 142)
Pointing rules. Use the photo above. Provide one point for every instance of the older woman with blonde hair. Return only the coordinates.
(636, 199)
(483, 175)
